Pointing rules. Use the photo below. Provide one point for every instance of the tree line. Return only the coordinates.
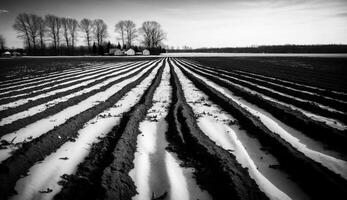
(328, 48)
(53, 35)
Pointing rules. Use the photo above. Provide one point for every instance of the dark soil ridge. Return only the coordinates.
(216, 169)
(309, 106)
(333, 138)
(333, 103)
(115, 179)
(21, 123)
(31, 152)
(47, 83)
(8, 128)
(41, 89)
(14, 79)
(315, 179)
(290, 83)
(86, 183)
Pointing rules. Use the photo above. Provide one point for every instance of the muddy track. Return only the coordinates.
(309, 106)
(336, 139)
(44, 89)
(18, 124)
(315, 179)
(217, 170)
(31, 152)
(104, 173)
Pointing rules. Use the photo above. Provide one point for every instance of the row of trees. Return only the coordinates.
(58, 35)
(2, 44)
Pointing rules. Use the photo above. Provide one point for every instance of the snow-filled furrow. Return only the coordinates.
(40, 108)
(270, 90)
(328, 121)
(47, 173)
(336, 165)
(63, 81)
(214, 122)
(52, 78)
(267, 81)
(37, 77)
(42, 126)
(83, 77)
(53, 92)
(291, 83)
(156, 171)
(79, 67)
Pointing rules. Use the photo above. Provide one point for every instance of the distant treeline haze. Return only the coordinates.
(330, 48)
(53, 35)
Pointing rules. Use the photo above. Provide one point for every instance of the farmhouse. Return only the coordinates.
(130, 52)
(146, 52)
(118, 52)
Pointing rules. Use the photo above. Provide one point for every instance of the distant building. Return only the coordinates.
(7, 54)
(112, 50)
(146, 52)
(130, 52)
(118, 52)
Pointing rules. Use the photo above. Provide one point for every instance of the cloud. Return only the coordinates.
(3, 11)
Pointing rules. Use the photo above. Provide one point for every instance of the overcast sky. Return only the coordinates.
(202, 23)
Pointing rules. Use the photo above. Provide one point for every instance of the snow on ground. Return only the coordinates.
(26, 100)
(157, 171)
(336, 165)
(47, 173)
(50, 77)
(76, 78)
(328, 121)
(280, 93)
(214, 122)
(42, 126)
(45, 82)
(40, 108)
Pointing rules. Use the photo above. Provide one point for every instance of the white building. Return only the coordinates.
(146, 52)
(130, 52)
(118, 52)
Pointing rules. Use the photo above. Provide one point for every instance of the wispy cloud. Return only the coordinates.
(3, 11)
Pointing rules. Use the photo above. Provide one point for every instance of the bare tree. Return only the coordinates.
(86, 25)
(2, 43)
(65, 30)
(120, 28)
(42, 31)
(100, 31)
(53, 24)
(152, 34)
(73, 25)
(21, 26)
(130, 30)
(33, 28)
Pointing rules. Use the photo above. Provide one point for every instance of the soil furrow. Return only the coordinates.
(331, 102)
(306, 105)
(315, 179)
(39, 101)
(21, 123)
(28, 91)
(58, 76)
(116, 149)
(21, 160)
(259, 73)
(217, 170)
(10, 103)
(336, 139)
